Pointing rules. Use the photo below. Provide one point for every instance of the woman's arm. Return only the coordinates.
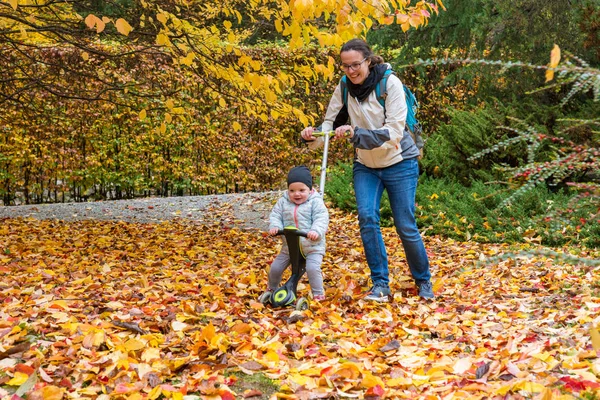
(379, 130)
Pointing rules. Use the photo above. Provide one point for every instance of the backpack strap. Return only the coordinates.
(344, 88)
(381, 88)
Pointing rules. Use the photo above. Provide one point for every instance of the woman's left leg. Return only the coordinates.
(400, 181)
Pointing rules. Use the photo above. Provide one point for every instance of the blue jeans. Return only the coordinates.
(400, 181)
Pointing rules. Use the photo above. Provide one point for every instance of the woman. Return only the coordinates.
(386, 158)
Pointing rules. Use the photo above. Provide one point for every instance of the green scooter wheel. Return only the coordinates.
(265, 298)
(302, 304)
(281, 297)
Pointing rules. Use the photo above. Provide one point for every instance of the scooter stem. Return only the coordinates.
(324, 164)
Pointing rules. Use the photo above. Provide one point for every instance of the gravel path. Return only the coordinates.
(245, 210)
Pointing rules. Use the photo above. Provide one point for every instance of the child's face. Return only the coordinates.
(298, 192)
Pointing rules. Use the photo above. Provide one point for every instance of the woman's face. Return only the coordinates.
(355, 65)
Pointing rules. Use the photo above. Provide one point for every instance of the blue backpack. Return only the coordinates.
(412, 124)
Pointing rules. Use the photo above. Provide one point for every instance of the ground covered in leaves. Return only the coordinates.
(105, 309)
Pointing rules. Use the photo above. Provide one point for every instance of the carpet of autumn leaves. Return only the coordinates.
(114, 310)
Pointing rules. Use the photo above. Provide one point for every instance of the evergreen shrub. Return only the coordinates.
(446, 207)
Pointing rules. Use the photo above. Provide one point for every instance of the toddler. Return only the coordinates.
(303, 207)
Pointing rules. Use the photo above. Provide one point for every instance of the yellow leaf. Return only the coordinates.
(303, 120)
(162, 39)
(177, 396)
(271, 356)
(531, 387)
(554, 60)
(83, 281)
(142, 114)
(94, 339)
(554, 57)
(370, 381)
(227, 25)
(52, 392)
(222, 102)
(123, 27)
(236, 126)
(85, 56)
(18, 379)
(151, 354)
(168, 118)
(595, 338)
(547, 394)
(395, 382)
(13, 4)
(134, 344)
(162, 18)
(187, 60)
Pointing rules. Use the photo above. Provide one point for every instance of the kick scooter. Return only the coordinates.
(285, 295)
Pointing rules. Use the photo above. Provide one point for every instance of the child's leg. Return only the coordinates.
(315, 276)
(278, 265)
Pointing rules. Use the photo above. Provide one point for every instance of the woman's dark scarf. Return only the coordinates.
(360, 92)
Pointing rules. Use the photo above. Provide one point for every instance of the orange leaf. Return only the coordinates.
(123, 27)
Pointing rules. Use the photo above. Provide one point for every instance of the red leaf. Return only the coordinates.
(226, 395)
(578, 385)
(376, 390)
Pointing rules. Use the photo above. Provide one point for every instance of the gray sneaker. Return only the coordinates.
(425, 290)
(380, 294)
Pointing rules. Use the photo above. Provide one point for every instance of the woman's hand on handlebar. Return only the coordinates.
(307, 134)
(273, 231)
(344, 131)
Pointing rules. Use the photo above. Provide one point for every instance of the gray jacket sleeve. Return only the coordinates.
(276, 216)
(320, 217)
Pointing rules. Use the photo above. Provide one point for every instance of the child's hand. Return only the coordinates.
(312, 235)
(273, 231)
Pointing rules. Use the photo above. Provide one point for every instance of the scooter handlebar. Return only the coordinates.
(296, 232)
(330, 133)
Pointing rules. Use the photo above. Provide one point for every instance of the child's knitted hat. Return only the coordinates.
(300, 174)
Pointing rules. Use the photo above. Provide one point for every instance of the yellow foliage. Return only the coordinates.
(554, 60)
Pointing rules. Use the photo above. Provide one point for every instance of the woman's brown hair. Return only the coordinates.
(362, 47)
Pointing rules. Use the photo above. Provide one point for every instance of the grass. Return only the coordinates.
(258, 382)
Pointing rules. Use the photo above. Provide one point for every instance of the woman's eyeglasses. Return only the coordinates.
(354, 66)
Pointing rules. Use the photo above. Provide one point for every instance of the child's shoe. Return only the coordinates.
(319, 297)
